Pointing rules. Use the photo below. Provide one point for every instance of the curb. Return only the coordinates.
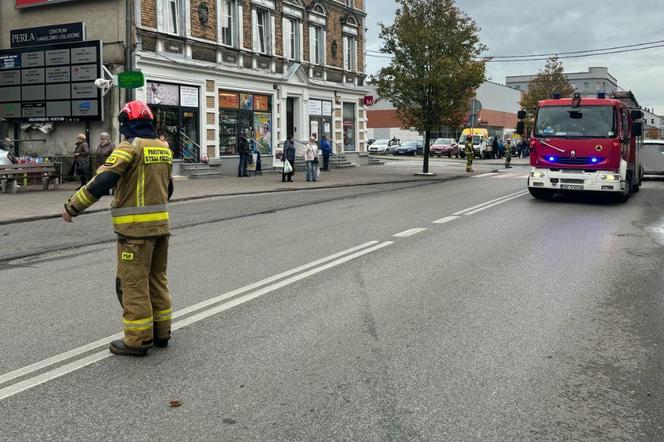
(253, 192)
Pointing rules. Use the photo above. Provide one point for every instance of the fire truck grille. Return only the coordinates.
(579, 160)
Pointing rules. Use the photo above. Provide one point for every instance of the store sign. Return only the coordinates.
(315, 107)
(163, 94)
(131, 80)
(30, 3)
(368, 100)
(51, 83)
(188, 96)
(261, 103)
(47, 35)
(229, 100)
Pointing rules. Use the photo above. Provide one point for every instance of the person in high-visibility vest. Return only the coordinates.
(140, 170)
(508, 154)
(469, 152)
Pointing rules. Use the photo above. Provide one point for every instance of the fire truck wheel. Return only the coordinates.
(541, 194)
(624, 196)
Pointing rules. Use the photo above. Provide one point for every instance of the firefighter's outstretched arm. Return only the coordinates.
(107, 177)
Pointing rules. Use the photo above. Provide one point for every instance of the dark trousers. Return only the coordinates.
(242, 167)
(326, 160)
(288, 175)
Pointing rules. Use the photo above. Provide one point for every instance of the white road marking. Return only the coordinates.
(485, 175)
(447, 219)
(497, 202)
(409, 232)
(508, 175)
(105, 341)
(95, 357)
(461, 212)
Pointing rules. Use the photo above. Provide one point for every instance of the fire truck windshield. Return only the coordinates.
(582, 122)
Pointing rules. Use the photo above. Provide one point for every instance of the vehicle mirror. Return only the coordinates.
(520, 127)
(521, 114)
(637, 114)
(637, 129)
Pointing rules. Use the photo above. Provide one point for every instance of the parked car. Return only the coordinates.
(480, 146)
(444, 146)
(392, 147)
(652, 157)
(409, 148)
(379, 146)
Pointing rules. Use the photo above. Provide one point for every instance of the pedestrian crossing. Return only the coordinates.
(501, 176)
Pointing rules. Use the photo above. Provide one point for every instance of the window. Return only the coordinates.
(228, 8)
(317, 45)
(350, 53)
(171, 16)
(262, 31)
(349, 3)
(291, 38)
(586, 85)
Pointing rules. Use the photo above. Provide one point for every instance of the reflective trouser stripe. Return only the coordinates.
(138, 324)
(164, 315)
(146, 218)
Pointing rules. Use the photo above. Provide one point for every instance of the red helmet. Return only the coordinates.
(135, 110)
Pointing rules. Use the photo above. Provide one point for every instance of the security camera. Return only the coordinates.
(102, 83)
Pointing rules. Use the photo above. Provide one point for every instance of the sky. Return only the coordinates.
(514, 27)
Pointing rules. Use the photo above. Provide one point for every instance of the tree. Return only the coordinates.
(434, 70)
(550, 80)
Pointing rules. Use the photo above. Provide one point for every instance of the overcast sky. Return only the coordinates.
(511, 27)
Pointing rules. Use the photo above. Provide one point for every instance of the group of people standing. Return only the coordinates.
(311, 157)
(81, 164)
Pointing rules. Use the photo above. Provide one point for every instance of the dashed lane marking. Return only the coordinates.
(410, 232)
(447, 219)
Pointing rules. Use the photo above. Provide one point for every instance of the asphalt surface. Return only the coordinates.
(520, 320)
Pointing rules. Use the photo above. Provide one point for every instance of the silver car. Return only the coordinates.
(652, 157)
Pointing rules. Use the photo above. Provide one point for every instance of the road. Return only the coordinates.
(460, 310)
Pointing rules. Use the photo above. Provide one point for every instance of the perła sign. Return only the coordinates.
(47, 35)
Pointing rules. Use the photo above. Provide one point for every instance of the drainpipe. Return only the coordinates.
(129, 52)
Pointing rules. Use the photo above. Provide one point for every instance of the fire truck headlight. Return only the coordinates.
(537, 174)
(610, 177)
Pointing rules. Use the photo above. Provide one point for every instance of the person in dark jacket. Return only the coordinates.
(494, 147)
(244, 150)
(82, 159)
(104, 149)
(289, 155)
(326, 147)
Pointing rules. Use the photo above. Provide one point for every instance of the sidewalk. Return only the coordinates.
(34, 203)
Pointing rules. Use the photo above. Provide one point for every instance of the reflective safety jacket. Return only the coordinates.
(468, 148)
(141, 173)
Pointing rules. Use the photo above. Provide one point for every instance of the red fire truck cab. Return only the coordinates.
(587, 144)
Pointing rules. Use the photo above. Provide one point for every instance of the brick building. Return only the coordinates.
(268, 68)
(500, 105)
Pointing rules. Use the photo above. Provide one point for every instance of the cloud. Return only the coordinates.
(512, 27)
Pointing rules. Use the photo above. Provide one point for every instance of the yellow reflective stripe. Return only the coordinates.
(163, 312)
(148, 217)
(122, 154)
(137, 321)
(83, 198)
(138, 327)
(163, 315)
(163, 318)
(140, 187)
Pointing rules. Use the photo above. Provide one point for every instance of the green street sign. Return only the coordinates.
(131, 80)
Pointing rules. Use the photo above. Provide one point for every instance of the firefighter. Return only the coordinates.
(469, 152)
(140, 170)
(508, 154)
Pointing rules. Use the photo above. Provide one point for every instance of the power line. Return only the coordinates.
(579, 52)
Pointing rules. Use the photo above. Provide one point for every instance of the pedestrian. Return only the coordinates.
(508, 153)
(311, 156)
(494, 147)
(326, 147)
(7, 155)
(288, 155)
(244, 150)
(141, 167)
(104, 149)
(163, 139)
(81, 166)
(469, 151)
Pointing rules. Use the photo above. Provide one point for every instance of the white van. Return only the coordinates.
(652, 157)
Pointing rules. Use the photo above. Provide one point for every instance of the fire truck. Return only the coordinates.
(586, 145)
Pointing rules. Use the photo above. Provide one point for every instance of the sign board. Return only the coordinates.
(315, 107)
(47, 35)
(327, 109)
(30, 3)
(51, 83)
(188, 96)
(368, 100)
(475, 107)
(131, 80)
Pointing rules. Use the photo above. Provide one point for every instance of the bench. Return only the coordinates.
(11, 173)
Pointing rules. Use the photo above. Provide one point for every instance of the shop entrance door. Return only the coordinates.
(290, 116)
(189, 136)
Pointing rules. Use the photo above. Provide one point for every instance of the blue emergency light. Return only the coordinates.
(552, 159)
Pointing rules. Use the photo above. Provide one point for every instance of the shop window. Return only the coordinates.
(350, 53)
(291, 38)
(228, 22)
(244, 113)
(349, 127)
(170, 14)
(262, 31)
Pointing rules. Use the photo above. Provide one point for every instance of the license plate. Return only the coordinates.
(571, 187)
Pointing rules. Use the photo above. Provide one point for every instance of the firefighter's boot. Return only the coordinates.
(118, 347)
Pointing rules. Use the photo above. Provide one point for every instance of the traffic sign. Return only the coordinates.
(475, 106)
(131, 80)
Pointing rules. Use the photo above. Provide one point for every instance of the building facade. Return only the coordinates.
(500, 105)
(596, 79)
(218, 68)
(266, 68)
